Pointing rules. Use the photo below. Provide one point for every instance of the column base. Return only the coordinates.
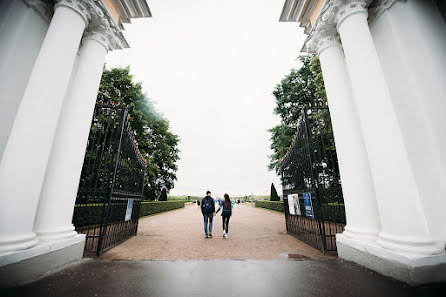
(21, 267)
(414, 269)
(17, 243)
(413, 245)
(56, 234)
(360, 235)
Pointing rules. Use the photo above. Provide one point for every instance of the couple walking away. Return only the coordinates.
(208, 211)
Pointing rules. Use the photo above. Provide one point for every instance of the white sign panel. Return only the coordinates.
(293, 204)
(128, 211)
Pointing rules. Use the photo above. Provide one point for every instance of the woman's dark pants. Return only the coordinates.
(225, 220)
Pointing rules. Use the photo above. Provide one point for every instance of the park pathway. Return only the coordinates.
(178, 235)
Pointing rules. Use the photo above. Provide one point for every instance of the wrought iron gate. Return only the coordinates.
(112, 180)
(310, 169)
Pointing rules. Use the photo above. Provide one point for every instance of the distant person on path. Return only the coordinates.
(198, 203)
(219, 203)
(225, 215)
(208, 211)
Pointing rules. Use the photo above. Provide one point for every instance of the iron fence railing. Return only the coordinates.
(111, 183)
(310, 177)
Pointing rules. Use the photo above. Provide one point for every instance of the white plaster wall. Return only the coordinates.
(410, 39)
(22, 32)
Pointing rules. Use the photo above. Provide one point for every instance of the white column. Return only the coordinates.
(357, 185)
(404, 227)
(56, 204)
(25, 157)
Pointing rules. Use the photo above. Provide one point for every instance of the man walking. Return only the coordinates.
(208, 211)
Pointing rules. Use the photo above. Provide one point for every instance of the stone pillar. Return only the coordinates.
(357, 184)
(403, 225)
(58, 196)
(24, 160)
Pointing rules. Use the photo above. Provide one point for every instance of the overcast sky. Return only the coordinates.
(211, 66)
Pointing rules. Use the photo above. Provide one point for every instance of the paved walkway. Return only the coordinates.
(178, 235)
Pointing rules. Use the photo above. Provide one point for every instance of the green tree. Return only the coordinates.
(274, 196)
(157, 143)
(301, 86)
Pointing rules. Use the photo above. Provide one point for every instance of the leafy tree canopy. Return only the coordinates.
(152, 132)
(300, 86)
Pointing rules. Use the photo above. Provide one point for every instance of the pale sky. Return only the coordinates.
(211, 67)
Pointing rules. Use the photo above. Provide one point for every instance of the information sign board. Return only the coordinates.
(128, 211)
(308, 205)
(293, 204)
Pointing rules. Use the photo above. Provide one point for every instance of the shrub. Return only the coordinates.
(273, 205)
(180, 198)
(329, 212)
(163, 196)
(334, 213)
(87, 215)
(149, 208)
(274, 196)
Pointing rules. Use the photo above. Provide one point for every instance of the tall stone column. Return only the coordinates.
(56, 204)
(357, 184)
(403, 225)
(25, 157)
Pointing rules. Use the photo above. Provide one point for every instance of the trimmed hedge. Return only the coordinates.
(150, 208)
(334, 213)
(87, 215)
(181, 198)
(273, 205)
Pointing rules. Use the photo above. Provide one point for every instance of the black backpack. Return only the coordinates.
(206, 205)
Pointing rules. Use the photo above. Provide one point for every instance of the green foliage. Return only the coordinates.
(281, 138)
(183, 198)
(251, 198)
(150, 208)
(328, 212)
(260, 197)
(149, 194)
(332, 212)
(163, 196)
(301, 86)
(274, 196)
(157, 144)
(272, 205)
(88, 215)
(315, 67)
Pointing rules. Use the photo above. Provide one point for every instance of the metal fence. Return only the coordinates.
(112, 181)
(310, 178)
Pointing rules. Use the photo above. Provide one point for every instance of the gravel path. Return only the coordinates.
(178, 235)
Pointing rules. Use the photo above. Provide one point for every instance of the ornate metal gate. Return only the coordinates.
(112, 180)
(310, 176)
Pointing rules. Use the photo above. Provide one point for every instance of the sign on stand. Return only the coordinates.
(293, 204)
(308, 205)
(128, 211)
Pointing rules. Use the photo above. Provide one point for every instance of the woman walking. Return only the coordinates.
(225, 215)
